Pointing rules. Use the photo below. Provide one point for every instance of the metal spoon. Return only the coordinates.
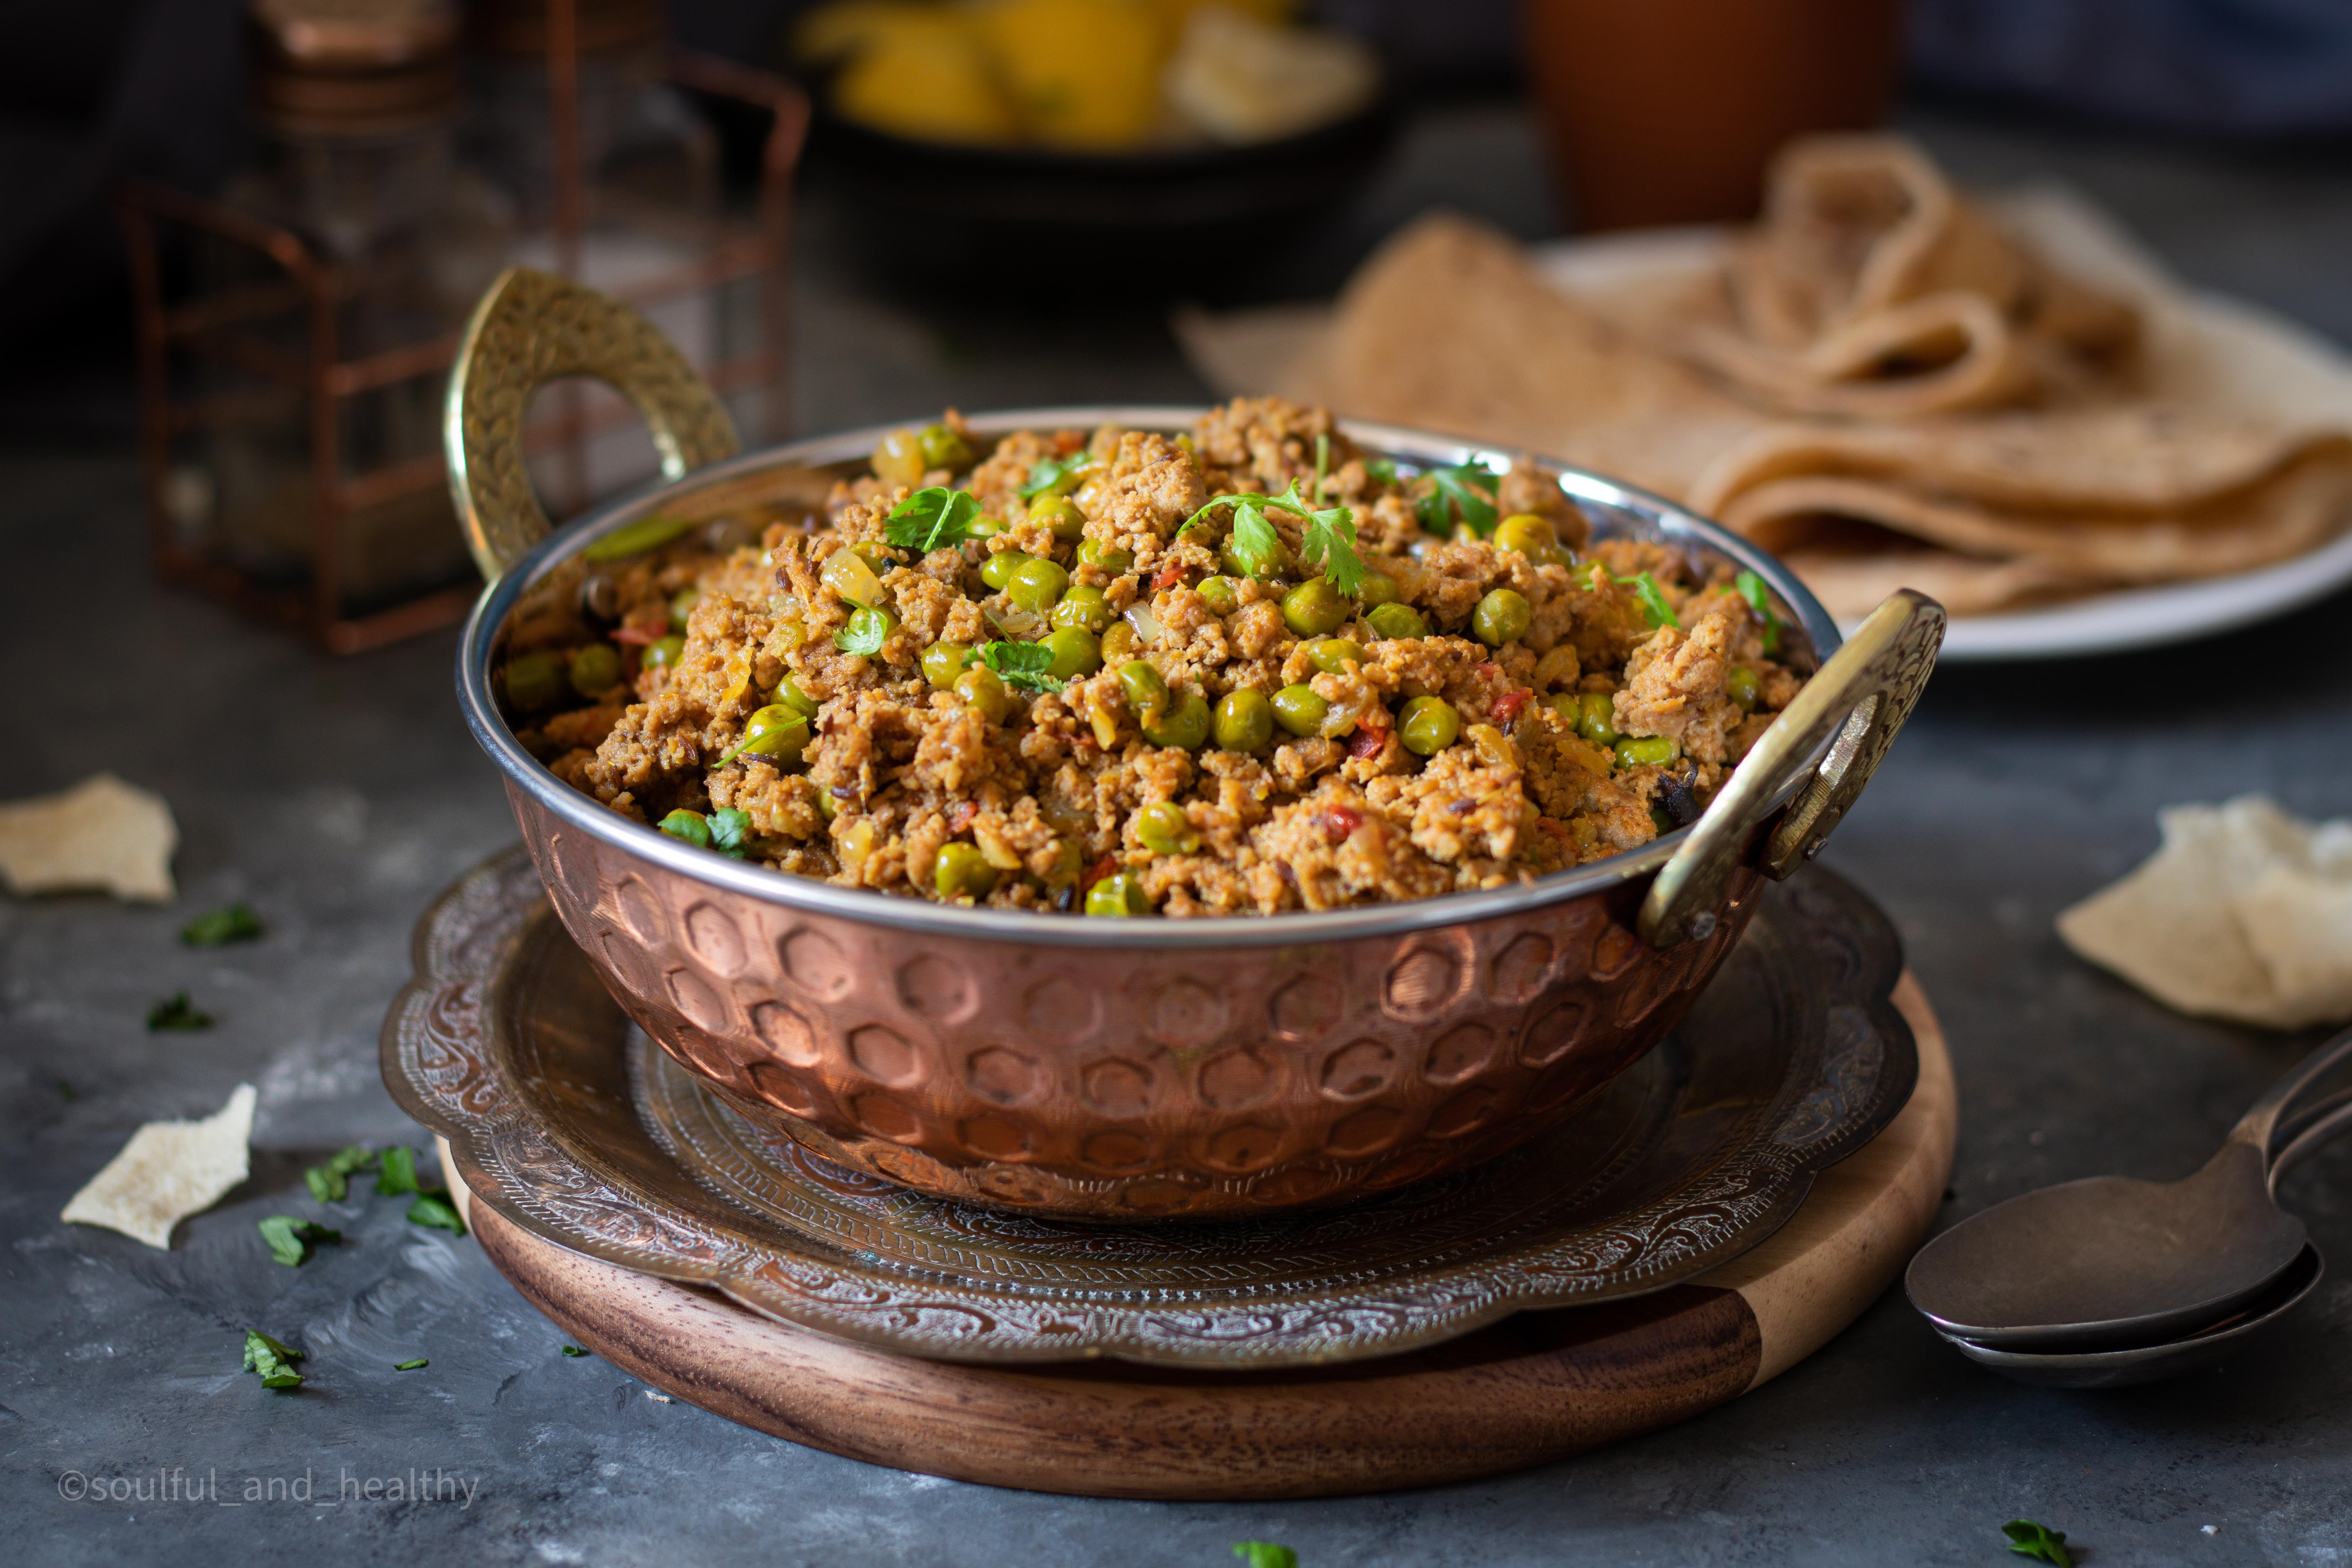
(2147, 1364)
(2111, 1263)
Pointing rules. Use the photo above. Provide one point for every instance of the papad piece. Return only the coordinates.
(2244, 913)
(101, 835)
(169, 1171)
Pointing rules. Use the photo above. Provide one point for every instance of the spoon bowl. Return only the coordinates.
(2132, 1364)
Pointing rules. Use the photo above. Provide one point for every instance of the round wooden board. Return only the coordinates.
(1533, 1388)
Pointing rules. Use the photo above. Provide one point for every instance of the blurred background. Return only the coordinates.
(243, 234)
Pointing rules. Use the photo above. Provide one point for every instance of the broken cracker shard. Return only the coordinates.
(167, 1172)
(103, 835)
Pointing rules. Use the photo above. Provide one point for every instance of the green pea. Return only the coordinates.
(1269, 568)
(1300, 711)
(1597, 718)
(1398, 622)
(1217, 593)
(943, 661)
(1744, 687)
(1503, 616)
(1427, 725)
(1035, 584)
(983, 693)
(1121, 893)
(1377, 588)
(1110, 557)
(1567, 705)
(1164, 830)
(662, 653)
(1146, 692)
(778, 732)
(998, 569)
(1061, 514)
(1119, 642)
(789, 693)
(943, 447)
(1083, 607)
(984, 526)
(962, 871)
(681, 606)
(1075, 652)
(1332, 656)
(869, 625)
(535, 679)
(1314, 607)
(1244, 721)
(1656, 751)
(1532, 536)
(594, 668)
(1183, 723)
(690, 825)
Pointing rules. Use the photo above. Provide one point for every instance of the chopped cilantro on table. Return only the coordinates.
(176, 1012)
(272, 1360)
(1751, 588)
(217, 928)
(431, 1208)
(1053, 473)
(1466, 492)
(1654, 599)
(331, 1182)
(290, 1239)
(573, 1351)
(410, 1365)
(2038, 1542)
(1022, 664)
(1266, 1554)
(933, 518)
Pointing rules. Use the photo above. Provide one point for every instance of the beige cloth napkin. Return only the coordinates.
(2245, 913)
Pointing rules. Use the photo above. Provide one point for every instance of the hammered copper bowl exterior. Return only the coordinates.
(1203, 1084)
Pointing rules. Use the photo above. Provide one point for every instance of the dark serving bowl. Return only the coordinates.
(1118, 1070)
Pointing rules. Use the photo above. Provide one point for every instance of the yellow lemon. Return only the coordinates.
(1082, 73)
(929, 82)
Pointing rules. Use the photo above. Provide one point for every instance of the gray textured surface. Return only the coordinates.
(337, 795)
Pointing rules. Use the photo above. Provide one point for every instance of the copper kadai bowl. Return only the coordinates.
(1123, 1070)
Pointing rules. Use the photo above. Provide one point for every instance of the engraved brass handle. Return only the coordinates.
(1862, 694)
(532, 328)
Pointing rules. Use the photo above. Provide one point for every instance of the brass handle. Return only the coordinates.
(1863, 693)
(532, 328)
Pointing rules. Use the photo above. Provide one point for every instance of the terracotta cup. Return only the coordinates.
(1665, 112)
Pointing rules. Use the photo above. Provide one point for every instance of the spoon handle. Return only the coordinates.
(2306, 1130)
(2260, 1123)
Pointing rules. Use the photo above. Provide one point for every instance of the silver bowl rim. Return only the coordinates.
(806, 895)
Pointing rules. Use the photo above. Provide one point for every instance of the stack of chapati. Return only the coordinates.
(1883, 381)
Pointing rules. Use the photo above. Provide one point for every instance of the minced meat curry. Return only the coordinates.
(1241, 671)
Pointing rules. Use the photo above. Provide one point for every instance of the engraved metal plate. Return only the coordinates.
(567, 1121)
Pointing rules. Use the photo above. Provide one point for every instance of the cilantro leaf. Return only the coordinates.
(573, 1351)
(1050, 473)
(272, 1360)
(1751, 588)
(176, 1012)
(216, 927)
(397, 1173)
(1266, 1554)
(933, 518)
(1458, 494)
(1022, 664)
(729, 831)
(1256, 545)
(433, 1210)
(290, 1239)
(1654, 599)
(2038, 1542)
(1381, 470)
(410, 1365)
(1330, 540)
(331, 1182)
